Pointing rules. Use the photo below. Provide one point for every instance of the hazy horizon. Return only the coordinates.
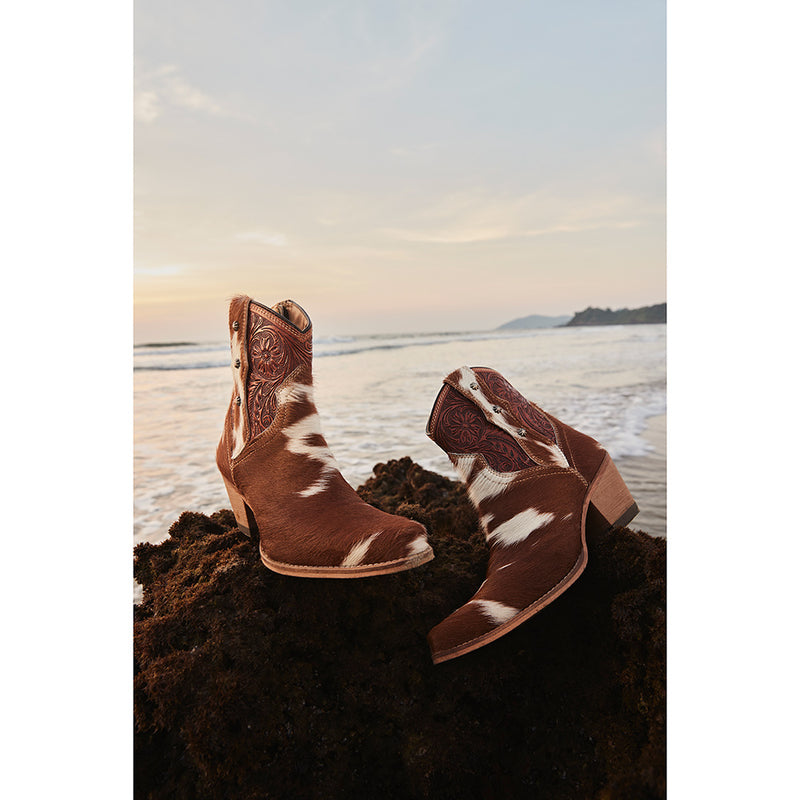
(397, 167)
(334, 334)
(223, 338)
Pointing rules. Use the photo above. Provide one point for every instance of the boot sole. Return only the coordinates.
(246, 521)
(360, 571)
(604, 493)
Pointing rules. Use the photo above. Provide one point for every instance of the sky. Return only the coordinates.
(396, 166)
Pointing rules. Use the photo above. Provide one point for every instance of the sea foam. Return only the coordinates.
(374, 395)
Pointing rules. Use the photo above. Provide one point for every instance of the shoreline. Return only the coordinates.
(638, 471)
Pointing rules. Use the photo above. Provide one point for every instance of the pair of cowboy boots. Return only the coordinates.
(536, 483)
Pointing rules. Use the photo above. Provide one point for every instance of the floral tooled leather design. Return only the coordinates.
(529, 415)
(273, 353)
(461, 428)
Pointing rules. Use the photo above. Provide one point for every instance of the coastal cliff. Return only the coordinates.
(622, 316)
(249, 684)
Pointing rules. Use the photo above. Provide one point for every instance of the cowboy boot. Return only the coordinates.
(533, 481)
(282, 480)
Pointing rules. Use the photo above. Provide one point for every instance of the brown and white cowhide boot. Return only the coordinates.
(282, 480)
(535, 483)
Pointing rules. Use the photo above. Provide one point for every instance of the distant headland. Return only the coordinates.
(622, 316)
(534, 321)
(646, 315)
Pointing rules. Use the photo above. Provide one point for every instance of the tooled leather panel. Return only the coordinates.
(461, 428)
(529, 415)
(273, 353)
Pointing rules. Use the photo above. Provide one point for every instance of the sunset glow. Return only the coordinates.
(397, 166)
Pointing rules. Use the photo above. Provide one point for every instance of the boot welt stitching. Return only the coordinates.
(536, 471)
(354, 567)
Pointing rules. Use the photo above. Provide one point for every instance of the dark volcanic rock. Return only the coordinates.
(249, 684)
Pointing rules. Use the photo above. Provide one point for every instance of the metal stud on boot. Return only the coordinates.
(283, 482)
(536, 484)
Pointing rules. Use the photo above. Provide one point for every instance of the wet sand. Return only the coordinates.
(646, 479)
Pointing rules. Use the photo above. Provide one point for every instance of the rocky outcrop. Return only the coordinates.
(249, 684)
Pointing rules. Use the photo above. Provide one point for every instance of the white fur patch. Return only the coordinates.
(486, 484)
(298, 433)
(418, 545)
(358, 551)
(519, 527)
(558, 457)
(498, 613)
(294, 393)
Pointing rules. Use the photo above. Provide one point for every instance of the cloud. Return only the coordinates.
(262, 237)
(469, 235)
(165, 87)
(413, 151)
(161, 270)
(397, 52)
(475, 217)
(145, 106)
(453, 235)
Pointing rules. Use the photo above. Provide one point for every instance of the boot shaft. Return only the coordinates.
(269, 347)
(478, 411)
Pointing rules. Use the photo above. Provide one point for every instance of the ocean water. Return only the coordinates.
(374, 394)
